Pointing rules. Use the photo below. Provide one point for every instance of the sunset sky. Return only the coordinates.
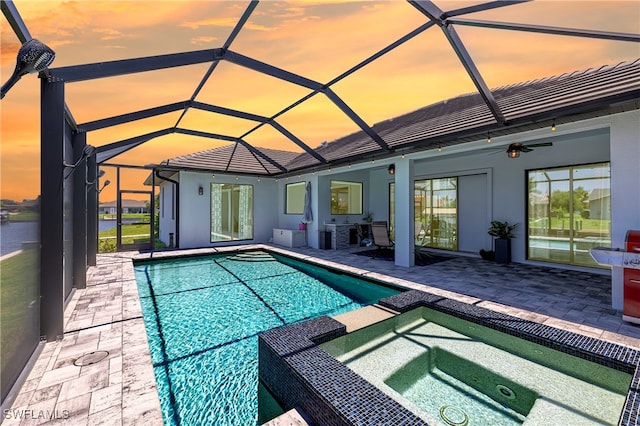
(317, 39)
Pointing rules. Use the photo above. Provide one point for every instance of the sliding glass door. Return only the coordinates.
(231, 212)
(569, 212)
(436, 212)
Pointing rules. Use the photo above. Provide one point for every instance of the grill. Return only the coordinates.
(628, 259)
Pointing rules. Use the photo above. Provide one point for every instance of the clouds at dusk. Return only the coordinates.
(317, 39)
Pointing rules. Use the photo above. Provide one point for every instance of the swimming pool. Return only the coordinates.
(203, 315)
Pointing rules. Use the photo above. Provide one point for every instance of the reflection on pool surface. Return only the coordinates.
(203, 315)
(449, 370)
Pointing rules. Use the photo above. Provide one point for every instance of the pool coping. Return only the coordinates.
(107, 316)
(301, 374)
(554, 337)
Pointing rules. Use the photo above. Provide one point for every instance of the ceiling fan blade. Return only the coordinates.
(529, 145)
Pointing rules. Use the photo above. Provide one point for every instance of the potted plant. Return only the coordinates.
(368, 217)
(503, 233)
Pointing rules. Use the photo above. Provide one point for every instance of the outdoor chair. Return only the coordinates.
(381, 239)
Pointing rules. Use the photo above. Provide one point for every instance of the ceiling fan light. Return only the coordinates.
(513, 153)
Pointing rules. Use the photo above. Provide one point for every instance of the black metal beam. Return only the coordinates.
(252, 149)
(257, 152)
(422, 28)
(106, 152)
(436, 15)
(15, 20)
(276, 72)
(80, 214)
(229, 111)
(574, 32)
(243, 20)
(92, 210)
(482, 7)
(129, 117)
(355, 118)
(474, 73)
(205, 134)
(297, 141)
(430, 10)
(232, 36)
(52, 133)
(130, 66)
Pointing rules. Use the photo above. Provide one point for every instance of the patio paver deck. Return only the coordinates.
(120, 389)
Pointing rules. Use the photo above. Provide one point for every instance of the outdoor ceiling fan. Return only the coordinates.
(514, 150)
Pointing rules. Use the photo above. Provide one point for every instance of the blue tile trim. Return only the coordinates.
(300, 374)
(610, 354)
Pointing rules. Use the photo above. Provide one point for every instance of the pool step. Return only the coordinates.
(252, 256)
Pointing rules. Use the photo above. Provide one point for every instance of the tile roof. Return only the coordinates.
(234, 158)
(565, 98)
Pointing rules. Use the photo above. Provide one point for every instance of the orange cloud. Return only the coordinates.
(317, 39)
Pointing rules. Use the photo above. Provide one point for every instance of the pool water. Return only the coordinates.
(203, 315)
(450, 371)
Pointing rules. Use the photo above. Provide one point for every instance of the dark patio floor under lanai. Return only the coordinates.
(579, 301)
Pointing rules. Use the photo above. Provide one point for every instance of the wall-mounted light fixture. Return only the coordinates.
(87, 151)
(33, 56)
(200, 190)
(100, 174)
(391, 169)
(104, 185)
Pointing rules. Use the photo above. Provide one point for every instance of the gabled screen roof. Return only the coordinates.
(150, 80)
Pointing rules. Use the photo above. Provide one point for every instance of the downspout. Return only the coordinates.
(176, 184)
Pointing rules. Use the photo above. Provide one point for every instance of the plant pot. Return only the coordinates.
(502, 250)
(487, 255)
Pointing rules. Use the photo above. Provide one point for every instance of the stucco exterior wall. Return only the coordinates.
(195, 209)
(610, 138)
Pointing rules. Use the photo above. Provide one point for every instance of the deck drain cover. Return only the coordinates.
(453, 416)
(506, 392)
(90, 358)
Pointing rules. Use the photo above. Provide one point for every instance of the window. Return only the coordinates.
(231, 212)
(346, 197)
(436, 212)
(294, 202)
(569, 212)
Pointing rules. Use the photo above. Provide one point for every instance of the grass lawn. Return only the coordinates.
(130, 234)
(19, 307)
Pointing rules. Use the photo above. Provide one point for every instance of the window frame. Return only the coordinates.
(287, 192)
(337, 212)
(572, 236)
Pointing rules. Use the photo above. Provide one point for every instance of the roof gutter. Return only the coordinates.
(176, 185)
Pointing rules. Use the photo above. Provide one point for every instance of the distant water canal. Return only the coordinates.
(13, 234)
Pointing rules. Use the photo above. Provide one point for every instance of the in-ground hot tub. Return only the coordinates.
(446, 369)
(389, 373)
